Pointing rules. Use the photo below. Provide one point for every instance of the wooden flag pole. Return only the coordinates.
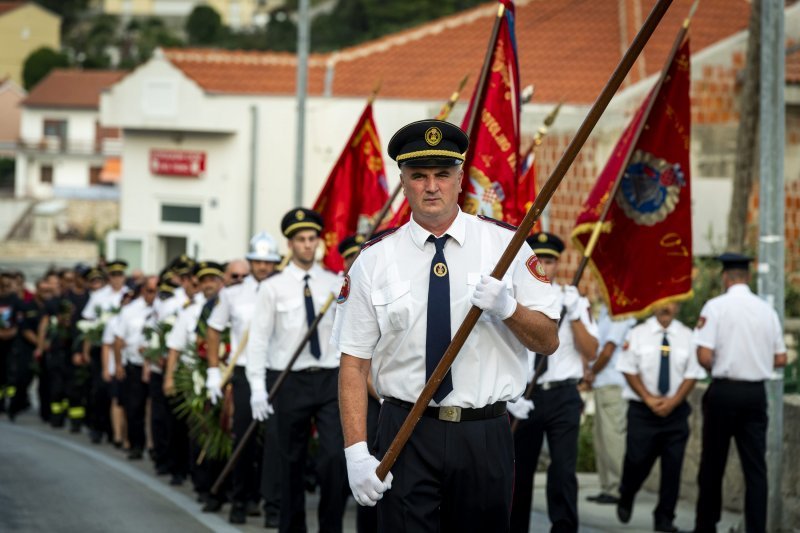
(514, 246)
(590, 246)
(487, 63)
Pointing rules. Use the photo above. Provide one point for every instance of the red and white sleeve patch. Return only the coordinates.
(345, 292)
(536, 269)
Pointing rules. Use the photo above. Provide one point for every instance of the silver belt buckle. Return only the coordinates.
(545, 385)
(450, 414)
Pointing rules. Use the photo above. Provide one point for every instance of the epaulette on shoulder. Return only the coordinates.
(496, 222)
(379, 238)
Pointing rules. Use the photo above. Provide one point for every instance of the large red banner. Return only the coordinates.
(355, 190)
(643, 256)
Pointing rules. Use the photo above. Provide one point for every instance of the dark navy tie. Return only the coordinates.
(310, 315)
(663, 370)
(437, 337)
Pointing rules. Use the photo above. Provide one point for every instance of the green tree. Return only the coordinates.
(281, 33)
(140, 39)
(70, 11)
(39, 64)
(204, 26)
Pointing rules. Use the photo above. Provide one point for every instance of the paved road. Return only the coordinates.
(51, 480)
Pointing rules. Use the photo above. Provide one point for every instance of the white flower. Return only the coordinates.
(198, 382)
(85, 326)
(154, 341)
(170, 320)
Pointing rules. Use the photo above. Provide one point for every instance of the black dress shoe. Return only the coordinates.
(238, 514)
(213, 504)
(668, 527)
(603, 498)
(176, 480)
(253, 509)
(624, 512)
(272, 519)
(135, 454)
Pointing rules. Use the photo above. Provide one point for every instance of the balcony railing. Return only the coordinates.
(57, 145)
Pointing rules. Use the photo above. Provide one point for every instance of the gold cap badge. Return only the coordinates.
(433, 136)
(299, 215)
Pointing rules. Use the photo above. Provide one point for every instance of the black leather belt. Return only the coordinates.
(547, 385)
(456, 414)
(736, 381)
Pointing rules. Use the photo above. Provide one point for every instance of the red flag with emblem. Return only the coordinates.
(644, 253)
(355, 191)
(491, 170)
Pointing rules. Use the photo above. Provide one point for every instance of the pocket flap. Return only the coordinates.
(288, 305)
(390, 293)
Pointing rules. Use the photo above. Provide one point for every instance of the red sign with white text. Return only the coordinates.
(181, 163)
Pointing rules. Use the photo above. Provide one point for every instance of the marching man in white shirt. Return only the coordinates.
(235, 309)
(661, 369)
(287, 304)
(557, 403)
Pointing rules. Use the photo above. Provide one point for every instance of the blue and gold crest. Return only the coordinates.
(650, 188)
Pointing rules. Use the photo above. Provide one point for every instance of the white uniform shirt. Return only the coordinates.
(744, 332)
(108, 338)
(165, 311)
(103, 299)
(184, 332)
(613, 331)
(130, 328)
(384, 317)
(566, 362)
(280, 322)
(642, 356)
(235, 308)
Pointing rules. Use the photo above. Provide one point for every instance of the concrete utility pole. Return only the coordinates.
(771, 225)
(303, 23)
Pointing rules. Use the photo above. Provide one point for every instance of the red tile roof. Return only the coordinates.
(8, 6)
(567, 48)
(72, 88)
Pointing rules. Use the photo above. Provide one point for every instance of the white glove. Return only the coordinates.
(521, 408)
(213, 382)
(571, 300)
(364, 482)
(491, 296)
(260, 406)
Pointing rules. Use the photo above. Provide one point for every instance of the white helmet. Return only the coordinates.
(263, 248)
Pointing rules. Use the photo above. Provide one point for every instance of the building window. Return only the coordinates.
(181, 213)
(46, 174)
(94, 175)
(55, 131)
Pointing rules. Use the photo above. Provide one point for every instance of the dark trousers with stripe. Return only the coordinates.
(557, 415)
(738, 410)
(58, 370)
(135, 400)
(367, 517)
(651, 437)
(308, 396)
(450, 476)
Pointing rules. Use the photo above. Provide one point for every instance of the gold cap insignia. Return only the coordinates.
(359, 239)
(542, 237)
(299, 215)
(433, 136)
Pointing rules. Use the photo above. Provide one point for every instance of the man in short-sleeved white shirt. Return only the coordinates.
(661, 368)
(739, 340)
(406, 295)
(558, 404)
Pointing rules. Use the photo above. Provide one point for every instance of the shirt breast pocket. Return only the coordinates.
(473, 278)
(287, 311)
(392, 305)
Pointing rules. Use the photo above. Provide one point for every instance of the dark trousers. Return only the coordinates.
(651, 437)
(58, 370)
(557, 414)
(99, 418)
(450, 476)
(739, 410)
(178, 451)
(367, 517)
(134, 399)
(20, 375)
(308, 396)
(159, 420)
(246, 475)
(206, 472)
(271, 460)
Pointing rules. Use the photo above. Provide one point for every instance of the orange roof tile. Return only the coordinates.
(72, 88)
(567, 48)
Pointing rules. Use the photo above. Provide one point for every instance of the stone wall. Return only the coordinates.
(98, 216)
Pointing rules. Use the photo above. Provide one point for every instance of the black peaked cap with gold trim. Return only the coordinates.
(117, 265)
(350, 245)
(734, 261)
(298, 219)
(208, 268)
(543, 243)
(429, 143)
